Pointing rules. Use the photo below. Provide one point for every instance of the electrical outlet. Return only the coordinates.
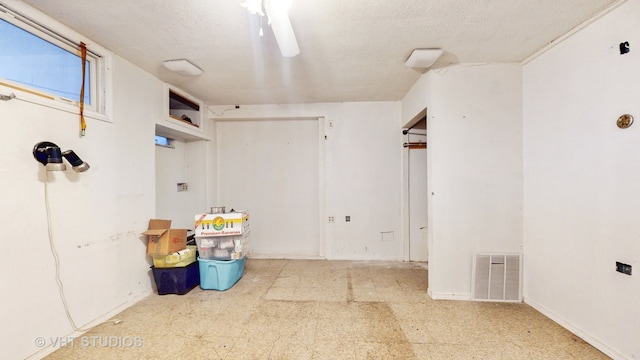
(330, 124)
(623, 268)
(332, 219)
(347, 218)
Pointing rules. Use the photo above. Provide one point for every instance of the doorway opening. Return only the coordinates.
(415, 189)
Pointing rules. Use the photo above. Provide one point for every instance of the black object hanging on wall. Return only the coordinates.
(50, 155)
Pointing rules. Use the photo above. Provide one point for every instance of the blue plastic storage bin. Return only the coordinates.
(179, 280)
(220, 274)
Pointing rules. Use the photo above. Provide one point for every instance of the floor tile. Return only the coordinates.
(318, 309)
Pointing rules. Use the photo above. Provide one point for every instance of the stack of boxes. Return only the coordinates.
(222, 240)
(175, 269)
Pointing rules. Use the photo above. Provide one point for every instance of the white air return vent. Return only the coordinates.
(497, 277)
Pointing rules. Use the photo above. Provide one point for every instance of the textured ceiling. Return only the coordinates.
(349, 50)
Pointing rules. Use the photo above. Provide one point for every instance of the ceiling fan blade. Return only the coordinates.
(283, 32)
(253, 6)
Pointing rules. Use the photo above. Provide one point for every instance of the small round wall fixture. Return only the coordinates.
(624, 121)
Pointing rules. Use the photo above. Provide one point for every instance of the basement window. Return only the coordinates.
(43, 66)
(163, 141)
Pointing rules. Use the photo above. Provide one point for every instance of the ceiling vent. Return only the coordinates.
(497, 277)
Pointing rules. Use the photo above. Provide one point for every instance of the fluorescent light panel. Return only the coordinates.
(182, 67)
(423, 58)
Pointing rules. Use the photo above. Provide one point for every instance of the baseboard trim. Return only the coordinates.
(448, 296)
(284, 257)
(48, 350)
(613, 353)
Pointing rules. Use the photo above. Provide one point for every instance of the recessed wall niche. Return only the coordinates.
(184, 109)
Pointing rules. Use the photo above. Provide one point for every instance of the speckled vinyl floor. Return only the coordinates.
(314, 309)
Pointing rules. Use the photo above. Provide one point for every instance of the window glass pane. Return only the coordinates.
(162, 141)
(30, 60)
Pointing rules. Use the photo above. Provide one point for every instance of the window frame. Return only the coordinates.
(47, 29)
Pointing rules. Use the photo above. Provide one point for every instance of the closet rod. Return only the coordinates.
(415, 145)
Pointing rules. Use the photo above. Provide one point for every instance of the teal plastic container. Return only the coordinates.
(220, 274)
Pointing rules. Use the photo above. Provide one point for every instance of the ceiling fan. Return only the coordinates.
(277, 14)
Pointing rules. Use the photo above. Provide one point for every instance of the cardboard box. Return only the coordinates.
(235, 223)
(163, 240)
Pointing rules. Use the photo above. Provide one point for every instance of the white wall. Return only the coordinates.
(474, 121)
(416, 99)
(581, 205)
(185, 162)
(364, 180)
(97, 216)
(170, 170)
(199, 163)
(191, 160)
(362, 175)
(271, 169)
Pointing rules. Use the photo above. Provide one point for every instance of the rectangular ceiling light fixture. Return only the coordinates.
(182, 67)
(423, 58)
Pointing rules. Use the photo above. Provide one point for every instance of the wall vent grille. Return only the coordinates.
(497, 277)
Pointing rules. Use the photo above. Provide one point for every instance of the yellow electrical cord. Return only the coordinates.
(83, 53)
